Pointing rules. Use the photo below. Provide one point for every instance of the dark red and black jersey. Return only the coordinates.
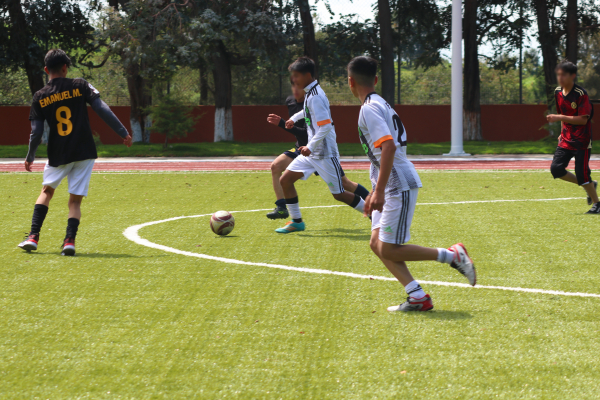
(62, 103)
(577, 102)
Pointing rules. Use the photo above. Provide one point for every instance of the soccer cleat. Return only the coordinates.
(278, 213)
(68, 247)
(411, 304)
(589, 199)
(463, 263)
(595, 209)
(30, 242)
(290, 227)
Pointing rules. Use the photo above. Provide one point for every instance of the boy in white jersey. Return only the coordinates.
(320, 154)
(395, 188)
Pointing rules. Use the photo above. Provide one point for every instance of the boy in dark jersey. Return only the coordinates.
(295, 103)
(575, 113)
(71, 149)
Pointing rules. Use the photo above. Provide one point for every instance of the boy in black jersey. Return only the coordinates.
(295, 103)
(71, 149)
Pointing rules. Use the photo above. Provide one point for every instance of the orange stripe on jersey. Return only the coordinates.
(324, 122)
(378, 143)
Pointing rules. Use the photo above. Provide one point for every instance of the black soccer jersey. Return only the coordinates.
(62, 103)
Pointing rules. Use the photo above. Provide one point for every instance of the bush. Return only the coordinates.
(172, 118)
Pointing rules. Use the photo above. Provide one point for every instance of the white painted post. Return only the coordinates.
(456, 108)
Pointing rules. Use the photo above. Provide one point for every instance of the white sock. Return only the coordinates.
(294, 210)
(360, 207)
(445, 256)
(415, 290)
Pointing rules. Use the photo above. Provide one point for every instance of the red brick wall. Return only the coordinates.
(424, 124)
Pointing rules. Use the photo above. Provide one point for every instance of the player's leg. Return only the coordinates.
(278, 166)
(559, 165)
(356, 188)
(395, 225)
(417, 299)
(300, 168)
(584, 179)
(52, 178)
(330, 171)
(79, 183)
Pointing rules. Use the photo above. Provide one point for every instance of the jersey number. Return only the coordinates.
(64, 121)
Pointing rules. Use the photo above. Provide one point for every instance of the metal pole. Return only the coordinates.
(456, 148)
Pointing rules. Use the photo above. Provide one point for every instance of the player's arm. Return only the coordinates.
(295, 130)
(37, 131)
(104, 112)
(568, 119)
(289, 124)
(320, 113)
(388, 151)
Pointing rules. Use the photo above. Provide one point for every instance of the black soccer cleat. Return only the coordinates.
(31, 242)
(278, 213)
(68, 247)
(589, 199)
(595, 209)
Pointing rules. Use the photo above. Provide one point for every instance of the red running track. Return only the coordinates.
(265, 165)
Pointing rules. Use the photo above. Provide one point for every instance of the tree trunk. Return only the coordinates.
(572, 30)
(471, 93)
(387, 51)
(33, 67)
(308, 34)
(139, 99)
(203, 85)
(222, 78)
(548, 46)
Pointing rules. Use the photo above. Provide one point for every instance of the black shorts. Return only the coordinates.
(294, 152)
(561, 160)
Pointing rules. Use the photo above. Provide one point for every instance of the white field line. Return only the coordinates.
(132, 233)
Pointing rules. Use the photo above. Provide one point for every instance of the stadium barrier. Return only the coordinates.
(424, 123)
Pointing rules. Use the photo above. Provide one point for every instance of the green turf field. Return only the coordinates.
(226, 149)
(121, 320)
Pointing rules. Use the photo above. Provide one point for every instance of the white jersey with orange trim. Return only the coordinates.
(319, 125)
(377, 123)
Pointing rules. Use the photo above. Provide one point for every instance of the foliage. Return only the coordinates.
(172, 118)
(14, 88)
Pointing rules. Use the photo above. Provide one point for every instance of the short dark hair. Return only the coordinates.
(567, 66)
(303, 65)
(363, 69)
(55, 59)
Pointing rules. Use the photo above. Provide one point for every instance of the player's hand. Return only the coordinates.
(28, 165)
(553, 118)
(367, 209)
(289, 124)
(273, 119)
(305, 151)
(127, 141)
(377, 200)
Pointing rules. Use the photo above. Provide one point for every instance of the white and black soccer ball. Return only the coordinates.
(222, 223)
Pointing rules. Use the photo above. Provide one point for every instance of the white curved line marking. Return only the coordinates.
(132, 233)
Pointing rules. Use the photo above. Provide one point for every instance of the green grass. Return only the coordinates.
(223, 149)
(121, 320)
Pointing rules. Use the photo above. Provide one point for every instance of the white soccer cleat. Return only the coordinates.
(463, 263)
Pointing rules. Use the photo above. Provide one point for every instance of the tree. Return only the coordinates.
(226, 34)
(471, 92)
(29, 27)
(308, 33)
(172, 118)
(384, 17)
(144, 39)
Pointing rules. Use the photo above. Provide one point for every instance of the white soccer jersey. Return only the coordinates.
(377, 123)
(316, 113)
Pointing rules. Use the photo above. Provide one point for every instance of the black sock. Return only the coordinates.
(72, 227)
(361, 191)
(280, 203)
(39, 215)
(297, 220)
(356, 200)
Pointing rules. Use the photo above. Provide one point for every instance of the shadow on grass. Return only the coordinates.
(110, 255)
(446, 314)
(363, 234)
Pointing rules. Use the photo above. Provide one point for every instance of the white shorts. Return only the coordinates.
(79, 173)
(394, 222)
(329, 170)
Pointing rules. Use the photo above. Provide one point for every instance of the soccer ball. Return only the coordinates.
(222, 223)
